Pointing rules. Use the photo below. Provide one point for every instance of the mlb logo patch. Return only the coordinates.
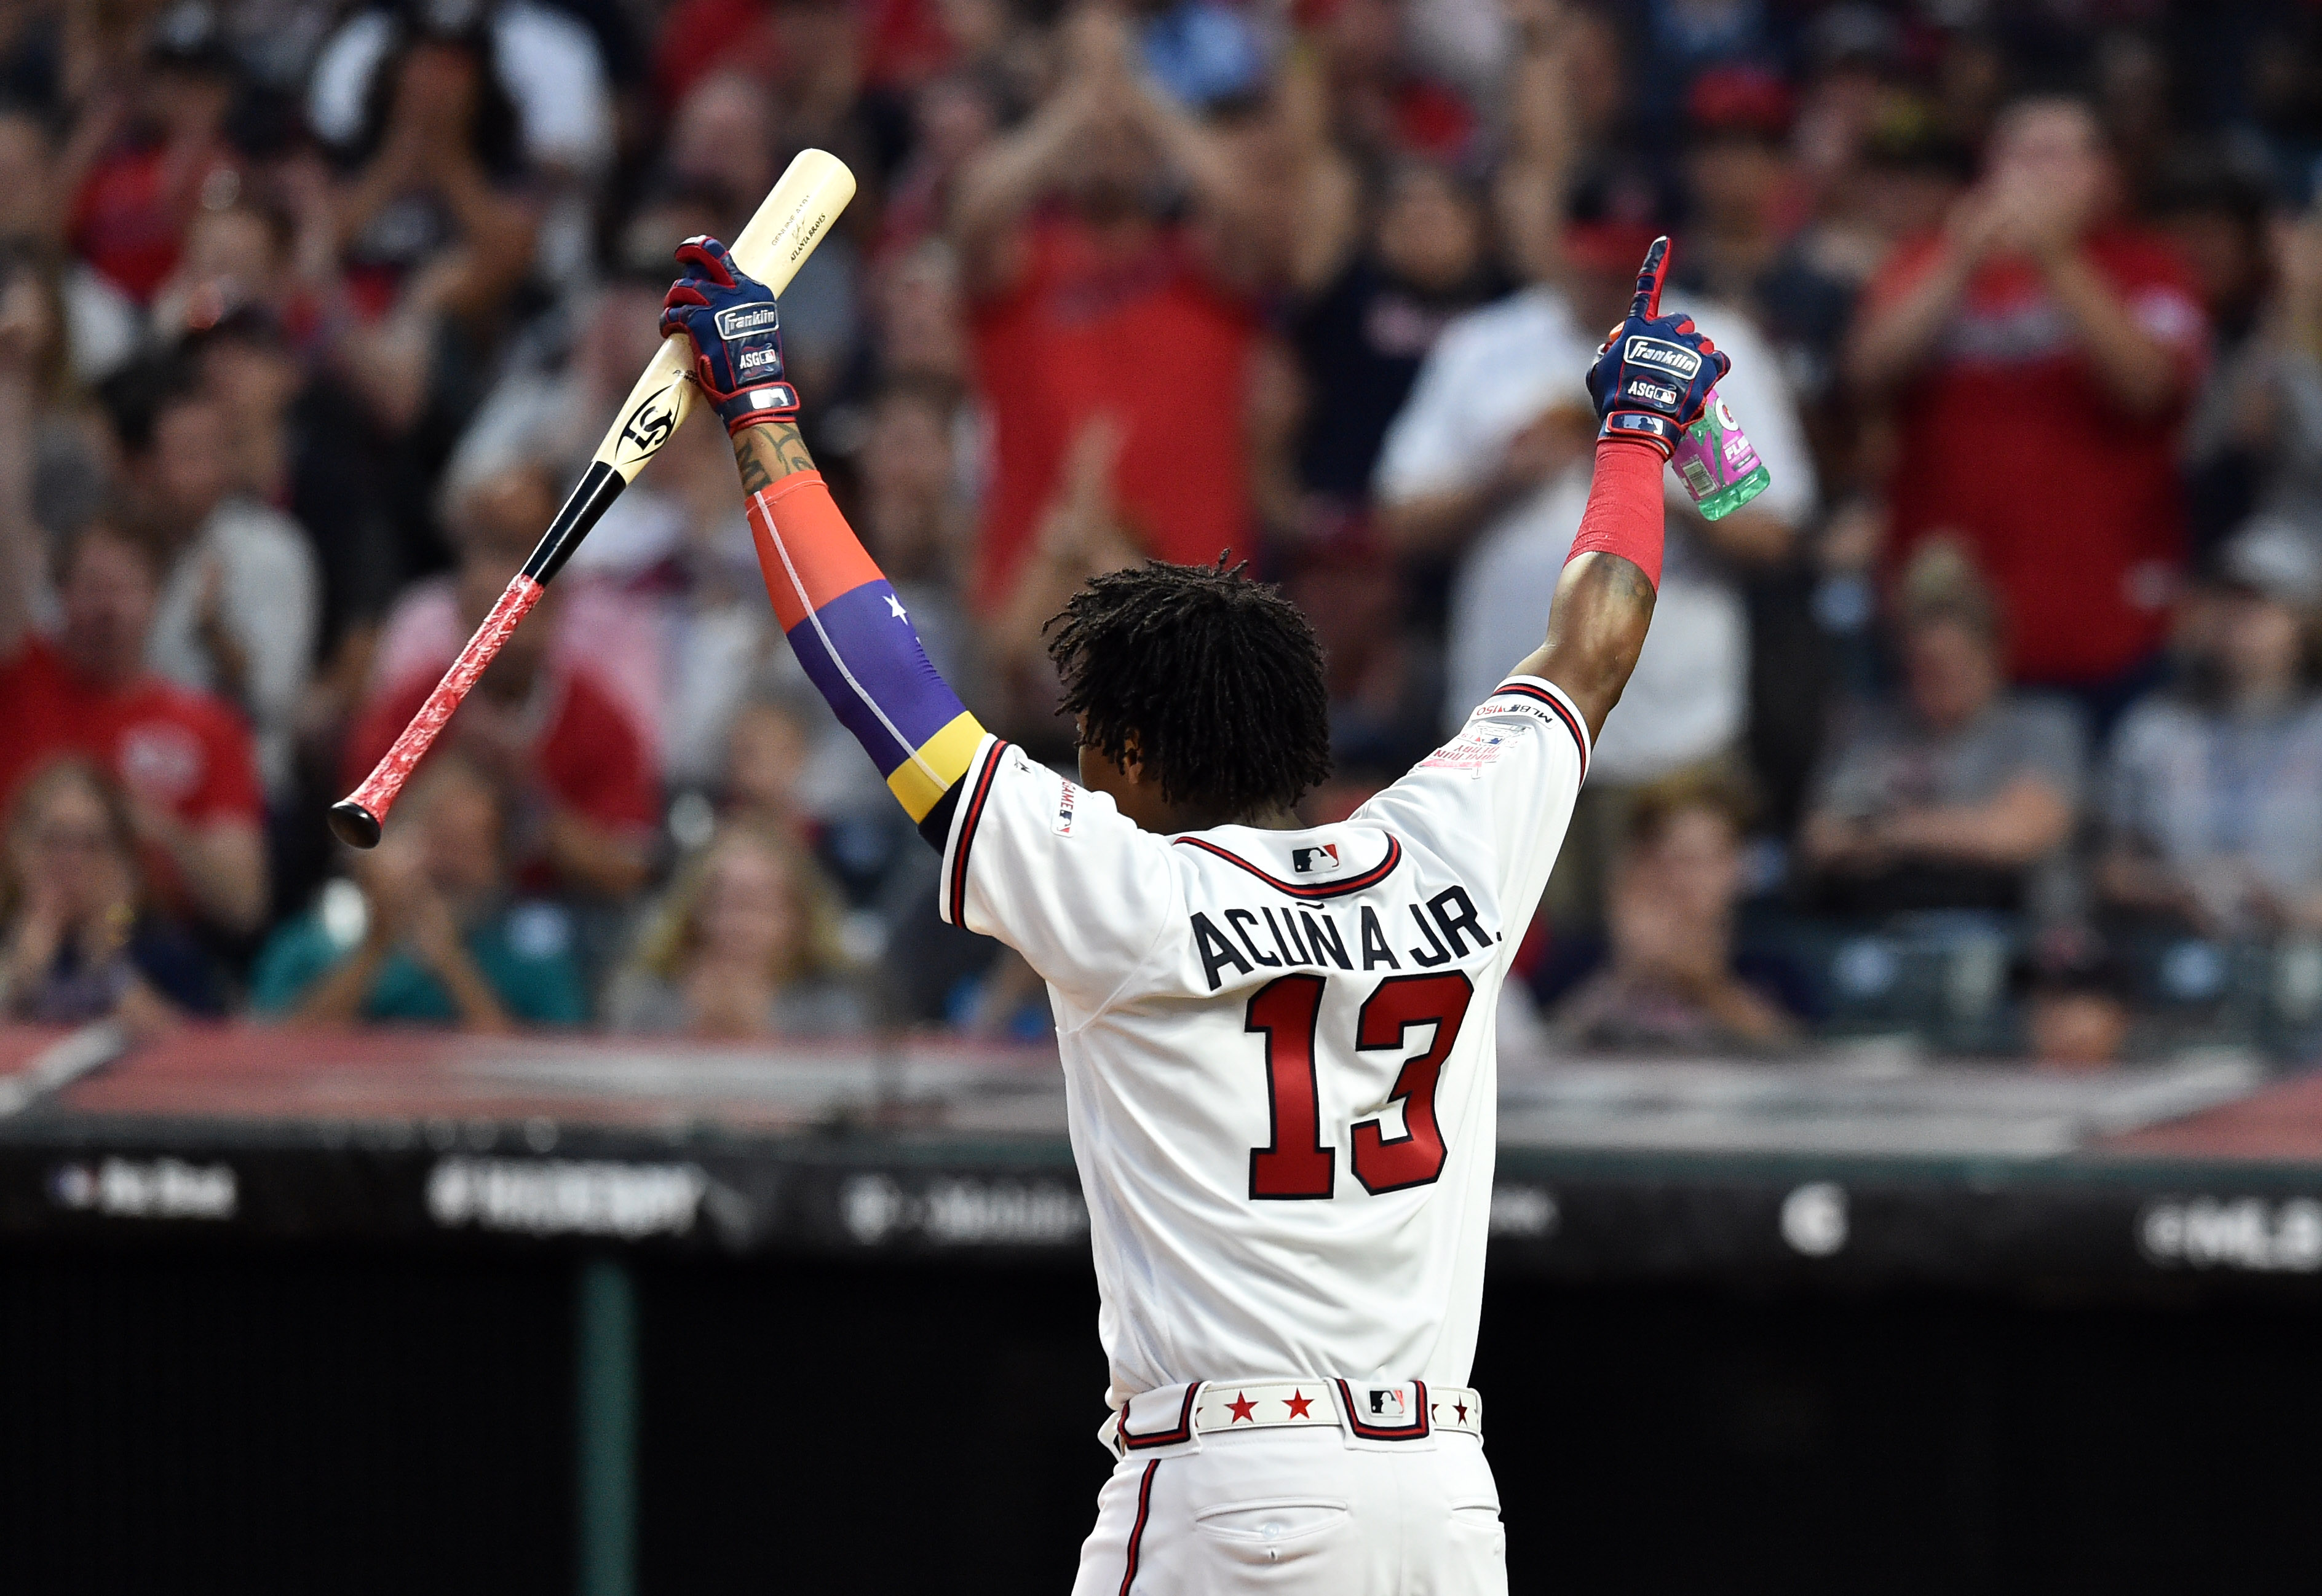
(1066, 804)
(1388, 1401)
(1315, 861)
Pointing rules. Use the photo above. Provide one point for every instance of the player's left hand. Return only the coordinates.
(1652, 377)
(738, 336)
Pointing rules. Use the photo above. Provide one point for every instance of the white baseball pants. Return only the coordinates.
(1302, 1510)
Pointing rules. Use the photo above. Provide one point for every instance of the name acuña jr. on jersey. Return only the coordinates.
(1276, 936)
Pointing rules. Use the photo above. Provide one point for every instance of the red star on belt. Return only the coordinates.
(1461, 1410)
(1298, 1403)
(1242, 1407)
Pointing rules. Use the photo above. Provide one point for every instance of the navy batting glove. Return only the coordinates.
(737, 330)
(1652, 378)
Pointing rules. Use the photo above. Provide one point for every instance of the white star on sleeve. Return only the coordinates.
(895, 607)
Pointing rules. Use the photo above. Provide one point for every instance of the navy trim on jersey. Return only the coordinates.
(1415, 1431)
(1524, 689)
(1368, 879)
(1137, 1532)
(1182, 1431)
(971, 816)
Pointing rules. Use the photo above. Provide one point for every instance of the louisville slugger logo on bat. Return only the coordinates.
(649, 425)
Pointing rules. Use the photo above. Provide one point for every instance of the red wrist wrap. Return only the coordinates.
(1623, 516)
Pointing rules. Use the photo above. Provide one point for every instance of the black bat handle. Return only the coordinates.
(583, 508)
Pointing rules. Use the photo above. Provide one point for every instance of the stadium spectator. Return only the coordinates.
(2254, 444)
(182, 757)
(99, 326)
(1742, 247)
(77, 941)
(240, 599)
(1964, 795)
(434, 937)
(435, 215)
(2038, 354)
(570, 765)
(1102, 304)
(1081, 535)
(1378, 276)
(766, 754)
(1385, 101)
(1666, 975)
(155, 150)
(1385, 684)
(2214, 793)
(543, 58)
(298, 441)
(745, 944)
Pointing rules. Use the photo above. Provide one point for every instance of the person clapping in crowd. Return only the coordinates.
(77, 940)
(745, 944)
(1109, 303)
(2041, 351)
(432, 937)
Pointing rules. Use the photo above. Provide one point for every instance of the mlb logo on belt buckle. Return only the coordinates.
(1321, 860)
(1386, 1412)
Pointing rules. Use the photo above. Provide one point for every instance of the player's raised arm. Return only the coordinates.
(1650, 381)
(849, 629)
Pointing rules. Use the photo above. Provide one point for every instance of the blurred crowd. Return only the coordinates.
(1994, 718)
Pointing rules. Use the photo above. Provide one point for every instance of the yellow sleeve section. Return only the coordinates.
(946, 754)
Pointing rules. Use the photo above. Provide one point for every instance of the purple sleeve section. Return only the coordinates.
(878, 648)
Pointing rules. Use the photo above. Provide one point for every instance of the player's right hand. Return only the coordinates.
(737, 330)
(1652, 378)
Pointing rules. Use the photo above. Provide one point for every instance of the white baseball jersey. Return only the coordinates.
(1278, 1046)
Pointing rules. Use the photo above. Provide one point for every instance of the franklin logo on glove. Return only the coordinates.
(1669, 357)
(749, 318)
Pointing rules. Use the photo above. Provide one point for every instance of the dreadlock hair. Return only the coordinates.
(1212, 681)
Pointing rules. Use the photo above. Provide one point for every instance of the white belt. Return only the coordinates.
(1406, 1410)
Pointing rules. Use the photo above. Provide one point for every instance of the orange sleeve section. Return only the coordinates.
(804, 543)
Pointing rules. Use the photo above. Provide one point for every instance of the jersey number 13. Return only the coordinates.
(1295, 1163)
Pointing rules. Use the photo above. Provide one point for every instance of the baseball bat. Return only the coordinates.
(792, 220)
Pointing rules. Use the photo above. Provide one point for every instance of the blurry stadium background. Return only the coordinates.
(619, 1181)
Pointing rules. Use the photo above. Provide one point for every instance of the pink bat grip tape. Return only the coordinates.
(356, 818)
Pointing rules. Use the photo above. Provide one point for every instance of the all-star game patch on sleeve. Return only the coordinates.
(1496, 799)
(857, 645)
(1055, 870)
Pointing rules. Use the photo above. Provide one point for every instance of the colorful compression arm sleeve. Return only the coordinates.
(1623, 516)
(858, 645)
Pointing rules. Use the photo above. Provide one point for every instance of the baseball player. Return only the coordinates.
(1277, 1039)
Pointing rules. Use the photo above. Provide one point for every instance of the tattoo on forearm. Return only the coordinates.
(754, 475)
(766, 454)
(789, 449)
